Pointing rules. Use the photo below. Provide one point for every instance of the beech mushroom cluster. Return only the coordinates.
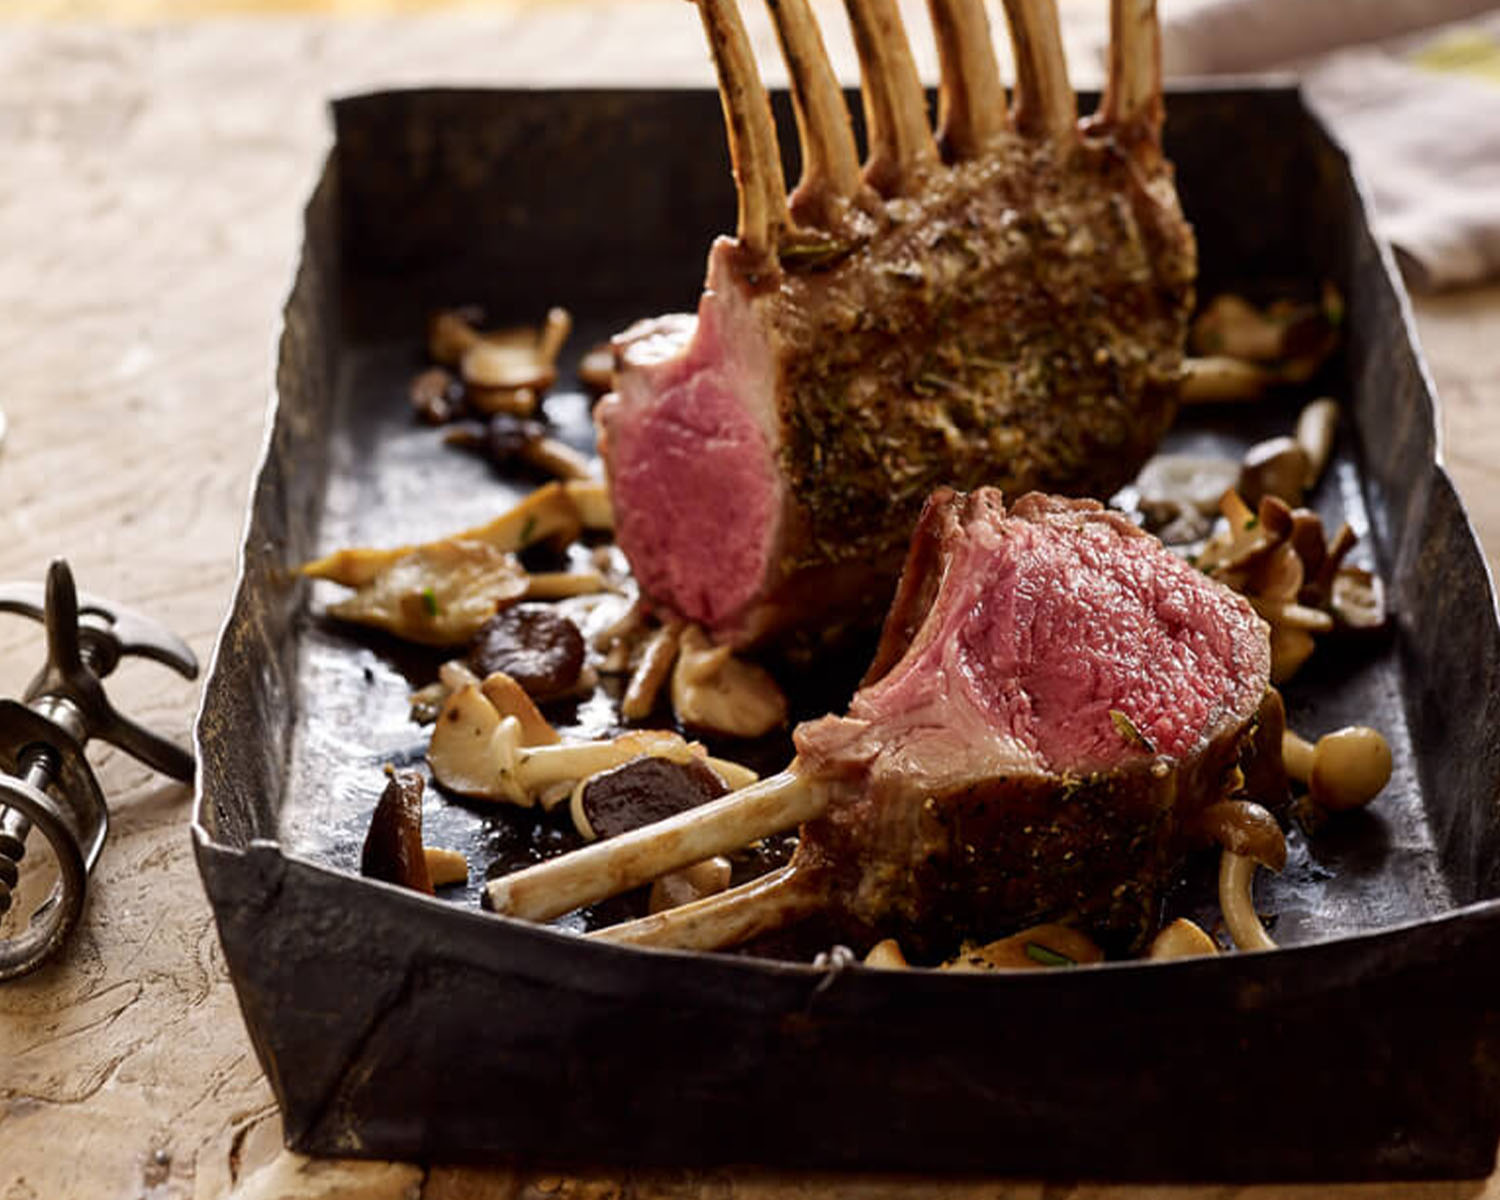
(1283, 562)
(1243, 351)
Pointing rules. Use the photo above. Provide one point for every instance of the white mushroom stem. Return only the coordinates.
(1044, 102)
(773, 901)
(1236, 877)
(900, 139)
(652, 673)
(608, 868)
(1315, 427)
(830, 158)
(1132, 93)
(971, 99)
(754, 152)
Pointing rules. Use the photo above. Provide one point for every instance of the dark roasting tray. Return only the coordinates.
(395, 1025)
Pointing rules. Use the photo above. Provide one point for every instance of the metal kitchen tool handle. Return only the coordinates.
(46, 783)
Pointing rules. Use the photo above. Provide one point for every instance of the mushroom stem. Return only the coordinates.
(971, 99)
(1236, 876)
(610, 867)
(770, 902)
(900, 139)
(754, 152)
(1044, 101)
(830, 158)
(1132, 94)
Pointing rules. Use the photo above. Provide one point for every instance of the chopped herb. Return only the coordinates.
(1252, 523)
(1039, 953)
(527, 530)
(430, 602)
(814, 254)
(1127, 730)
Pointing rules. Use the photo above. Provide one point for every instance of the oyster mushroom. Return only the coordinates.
(441, 593)
(714, 691)
(1040, 946)
(509, 370)
(507, 440)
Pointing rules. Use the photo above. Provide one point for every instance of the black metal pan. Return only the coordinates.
(396, 1025)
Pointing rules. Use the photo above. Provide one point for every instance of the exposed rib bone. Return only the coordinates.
(900, 139)
(1045, 104)
(605, 869)
(773, 901)
(971, 101)
(830, 159)
(1132, 93)
(753, 150)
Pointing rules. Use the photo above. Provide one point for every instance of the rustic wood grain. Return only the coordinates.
(149, 220)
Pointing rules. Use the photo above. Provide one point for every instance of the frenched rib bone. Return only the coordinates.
(1010, 312)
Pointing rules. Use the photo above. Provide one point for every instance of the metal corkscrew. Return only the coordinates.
(46, 783)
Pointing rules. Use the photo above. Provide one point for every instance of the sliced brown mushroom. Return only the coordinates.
(393, 845)
(636, 793)
(714, 691)
(535, 646)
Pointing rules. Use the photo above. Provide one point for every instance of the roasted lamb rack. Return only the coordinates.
(1004, 303)
(1058, 710)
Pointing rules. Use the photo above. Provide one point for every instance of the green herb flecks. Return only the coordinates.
(812, 255)
(1039, 953)
(1125, 727)
(430, 602)
(527, 530)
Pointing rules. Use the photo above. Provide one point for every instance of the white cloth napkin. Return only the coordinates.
(1420, 114)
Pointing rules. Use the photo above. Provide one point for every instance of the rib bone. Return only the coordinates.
(1045, 104)
(772, 901)
(830, 159)
(971, 101)
(608, 868)
(1132, 94)
(754, 152)
(900, 140)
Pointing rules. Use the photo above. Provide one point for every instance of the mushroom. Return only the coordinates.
(591, 498)
(507, 439)
(441, 593)
(676, 888)
(393, 845)
(477, 751)
(1039, 946)
(887, 955)
(436, 396)
(1181, 939)
(445, 867)
(714, 691)
(508, 370)
(1275, 467)
(451, 332)
(1345, 769)
(1232, 326)
(510, 699)
(1178, 494)
(533, 645)
(1216, 379)
(651, 673)
(639, 792)
(597, 370)
(1315, 429)
(1236, 879)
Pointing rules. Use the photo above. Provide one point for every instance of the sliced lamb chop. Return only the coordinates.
(1005, 304)
(1055, 702)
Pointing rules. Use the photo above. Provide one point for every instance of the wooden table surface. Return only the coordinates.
(149, 218)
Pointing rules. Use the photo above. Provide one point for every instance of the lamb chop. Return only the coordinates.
(1056, 709)
(1005, 303)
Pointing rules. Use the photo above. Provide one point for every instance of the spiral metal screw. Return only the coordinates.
(46, 783)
